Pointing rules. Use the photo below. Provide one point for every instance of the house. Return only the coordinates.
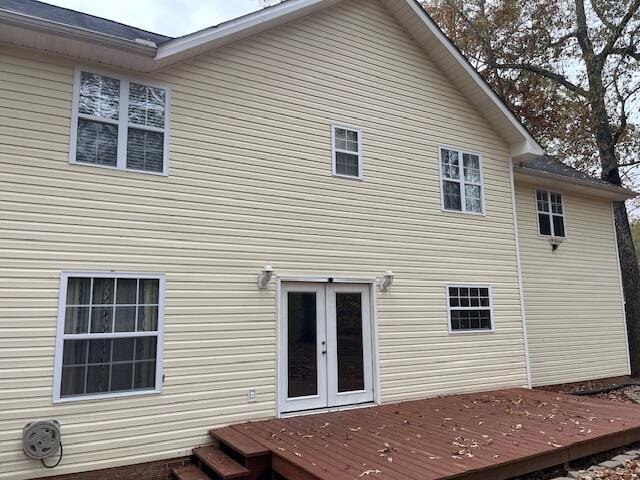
(317, 205)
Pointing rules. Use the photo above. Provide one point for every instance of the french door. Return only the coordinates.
(325, 346)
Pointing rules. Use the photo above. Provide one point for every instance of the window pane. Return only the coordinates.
(302, 353)
(145, 375)
(148, 318)
(146, 348)
(76, 320)
(121, 377)
(545, 223)
(471, 168)
(103, 291)
(73, 379)
(125, 320)
(347, 164)
(98, 378)
(349, 342)
(100, 351)
(543, 201)
(127, 291)
(450, 164)
(146, 105)
(78, 291)
(149, 291)
(99, 96)
(556, 203)
(74, 352)
(123, 349)
(473, 198)
(97, 143)
(145, 150)
(558, 226)
(101, 319)
(452, 197)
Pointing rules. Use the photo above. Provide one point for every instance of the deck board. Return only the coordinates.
(491, 435)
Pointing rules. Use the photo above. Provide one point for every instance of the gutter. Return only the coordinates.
(619, 191)
(143, 48)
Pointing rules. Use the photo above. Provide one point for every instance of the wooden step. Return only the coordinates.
(190, 472)
(238, 441)
(221, 463)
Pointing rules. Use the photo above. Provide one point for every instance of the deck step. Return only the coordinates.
(190, 472)
(238, 441)
(221, 463)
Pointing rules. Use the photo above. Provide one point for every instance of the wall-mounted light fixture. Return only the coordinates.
(265, 277)
(386, 281)
(555, 243)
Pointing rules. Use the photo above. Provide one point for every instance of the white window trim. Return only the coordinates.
(564, 214)
(449, 308)
(335, 150)
(461, 181)
(60, 336)
(122, 122)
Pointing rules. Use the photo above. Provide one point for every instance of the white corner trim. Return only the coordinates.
(523, 315)
(623, 301)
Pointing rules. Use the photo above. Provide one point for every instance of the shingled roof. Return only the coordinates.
(72, 18)
(551, 167)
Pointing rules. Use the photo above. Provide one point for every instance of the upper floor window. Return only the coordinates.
(461, 181)
(470, 308)
(550, 214)
(347, 151)
(118, 123)
(109, 338)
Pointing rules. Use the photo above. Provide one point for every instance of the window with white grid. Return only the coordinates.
(347, 151)
(109, 338)
(462, 184)
(550, 214)
(470, 308)
(119, 123)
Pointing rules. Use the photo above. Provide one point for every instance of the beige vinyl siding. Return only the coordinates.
(250, 183)
(573, 301)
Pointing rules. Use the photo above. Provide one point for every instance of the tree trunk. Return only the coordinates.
(629, 267)
(631, 283)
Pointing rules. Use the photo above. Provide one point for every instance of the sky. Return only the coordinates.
(167, 17)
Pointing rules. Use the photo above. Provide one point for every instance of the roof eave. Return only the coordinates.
(565, 183)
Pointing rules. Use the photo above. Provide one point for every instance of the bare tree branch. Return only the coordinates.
(617, 32)
(545, 73)
(630, 51)
(601, 16)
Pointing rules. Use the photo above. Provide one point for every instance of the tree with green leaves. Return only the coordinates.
(571, 70)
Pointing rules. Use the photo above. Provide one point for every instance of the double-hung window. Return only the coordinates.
(550, 214)
(109, 338)
(347, 151)
(470, 308)
(118, 123)
(462, 186)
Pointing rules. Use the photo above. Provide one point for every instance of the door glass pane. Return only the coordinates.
(302, 344)
(349, 338)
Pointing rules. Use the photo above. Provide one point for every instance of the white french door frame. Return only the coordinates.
(281, 363)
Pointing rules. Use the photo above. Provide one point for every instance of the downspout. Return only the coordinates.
(525, 335)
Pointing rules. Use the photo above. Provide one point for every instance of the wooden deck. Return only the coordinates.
(492, 436)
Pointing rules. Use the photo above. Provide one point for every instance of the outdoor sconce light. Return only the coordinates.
(386, 281)
(265, 277)
(555, 243)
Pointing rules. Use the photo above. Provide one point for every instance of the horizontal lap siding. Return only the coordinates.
(249, 184)
(572, 296)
